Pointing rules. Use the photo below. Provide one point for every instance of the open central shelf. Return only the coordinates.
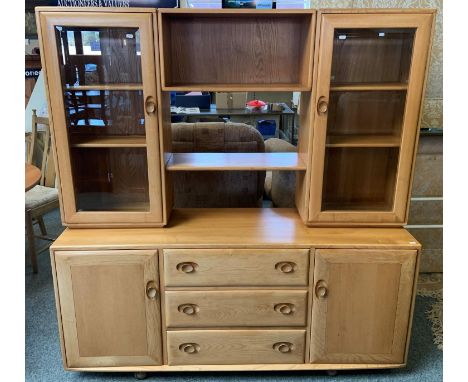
(234, 162)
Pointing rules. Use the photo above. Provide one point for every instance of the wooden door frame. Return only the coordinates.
(62, 262)
(144, 21)
(328, 22)
(404, 309)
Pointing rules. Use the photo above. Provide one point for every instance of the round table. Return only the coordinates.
(32, 176)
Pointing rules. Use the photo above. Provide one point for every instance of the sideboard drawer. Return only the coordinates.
(236, 308)
(221, 347)
(236, 267)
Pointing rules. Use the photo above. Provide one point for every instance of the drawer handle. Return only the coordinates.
(187, 267)
(189, 348)
(188, 309)
(151, 290)
(286, 266)
(283, 347)
(321, 290)
(285, 308)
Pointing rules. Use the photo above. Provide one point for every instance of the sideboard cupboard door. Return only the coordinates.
(361, 305)
(101, 78)
(369, 78)
(109, 307)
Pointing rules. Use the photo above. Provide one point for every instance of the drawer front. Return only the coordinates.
(236, 267)
(228, 347)
(236, 308)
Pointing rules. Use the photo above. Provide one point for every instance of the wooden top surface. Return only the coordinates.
(234, 228)
(32, 176)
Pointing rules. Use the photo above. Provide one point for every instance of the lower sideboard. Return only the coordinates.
(208, 293)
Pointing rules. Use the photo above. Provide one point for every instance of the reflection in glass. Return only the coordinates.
(372, 55)
(110, 179)
(99, 56)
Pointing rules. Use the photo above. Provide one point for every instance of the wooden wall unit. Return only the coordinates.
(234, 289)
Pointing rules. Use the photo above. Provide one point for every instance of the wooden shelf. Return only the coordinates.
(368, 87)
(108, 141)
(235, 51)
(363, 141)
(105, 87)
(234, 162)
(237, 87)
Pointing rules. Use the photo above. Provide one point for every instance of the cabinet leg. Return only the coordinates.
(331, 373)
(140, 375)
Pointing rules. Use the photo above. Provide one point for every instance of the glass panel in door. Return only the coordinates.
(368, 85)
(101, 76)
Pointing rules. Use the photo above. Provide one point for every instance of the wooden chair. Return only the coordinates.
(43, 197)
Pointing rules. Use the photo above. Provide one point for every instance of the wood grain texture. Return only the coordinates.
(234, 228)
(198, 309)
(108, 141)
(107, 319)
(364, 314)
(32, 176)
(243, 367)
(234, 161)
(236, 267)
(368, 87)
(218, 347)
(363, 141)
(271, 48)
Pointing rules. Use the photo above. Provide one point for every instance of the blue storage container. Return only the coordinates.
(267, 128)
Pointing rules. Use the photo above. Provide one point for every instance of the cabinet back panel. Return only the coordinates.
(110, 179)
(376, 113)
(359, 178)
(239, 49)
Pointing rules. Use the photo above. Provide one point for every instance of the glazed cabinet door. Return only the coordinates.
(101, 78)
(361, 305)
(369, 77)
(109, 307)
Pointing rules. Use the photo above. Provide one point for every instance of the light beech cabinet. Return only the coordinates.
(234, 289)
(128, 310)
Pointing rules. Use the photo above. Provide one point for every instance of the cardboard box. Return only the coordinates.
(231, 100)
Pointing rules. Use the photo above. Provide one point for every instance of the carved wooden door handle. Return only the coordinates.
(283, 347)
(150, 105)
(285, 308)
(286, 266)
(189, 348)
(188, 309)
(187, 267)
(321, 289)
(151, 290)
(322, 106)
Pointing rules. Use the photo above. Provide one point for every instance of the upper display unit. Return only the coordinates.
(236, 50)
